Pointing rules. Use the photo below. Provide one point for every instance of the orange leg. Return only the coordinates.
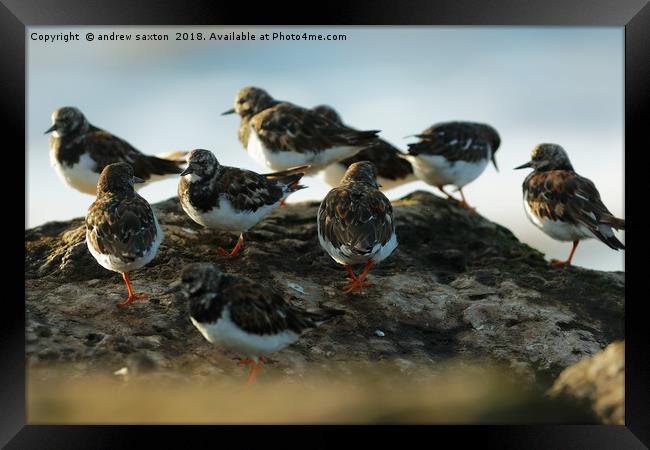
(240, 244)
(463, 203)
(558, 263)
(449, 196)
(256, 367)
(132, 295)
(359, 282)
(351, 274)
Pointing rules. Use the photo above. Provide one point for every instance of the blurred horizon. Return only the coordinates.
(533, 84)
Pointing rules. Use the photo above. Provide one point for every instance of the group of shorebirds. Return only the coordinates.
(355, 220)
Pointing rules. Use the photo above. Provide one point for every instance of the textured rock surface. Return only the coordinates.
(598, 382)
(457, 286)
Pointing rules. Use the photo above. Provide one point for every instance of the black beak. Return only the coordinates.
(230, 111)
(523, 166)
(49, 130)
(137, 180)
(187, 171)
(494, 161)
(173, 287)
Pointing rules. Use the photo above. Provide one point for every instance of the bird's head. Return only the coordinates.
(200, 164)
(116, 178)
(198, 277)
(361, 172)
(250, 101)
(67, 120)
(548, 157)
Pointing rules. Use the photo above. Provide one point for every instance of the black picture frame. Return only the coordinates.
(17, 15)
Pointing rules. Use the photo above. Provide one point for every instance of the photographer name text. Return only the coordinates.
(181, 36)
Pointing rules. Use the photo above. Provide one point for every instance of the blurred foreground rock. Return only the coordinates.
(458, 286)
(598, 382)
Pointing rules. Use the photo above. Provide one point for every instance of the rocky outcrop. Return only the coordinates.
(458, 286)
(598, 382)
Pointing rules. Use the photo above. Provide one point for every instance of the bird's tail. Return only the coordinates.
(614, 222)
(289, 177)
(415, 148)
(607, 236)
(167, 163)
(177, 156)
(362, 138)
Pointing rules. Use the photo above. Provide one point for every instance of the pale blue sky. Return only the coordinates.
(539, 84)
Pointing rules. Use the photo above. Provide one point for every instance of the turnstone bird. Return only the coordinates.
(243, 316)
(229, 198)
(564, 205)
(355, 223)
(122, 232)
(453, 153)
(79, 152)
(392, 170)
(281, 135)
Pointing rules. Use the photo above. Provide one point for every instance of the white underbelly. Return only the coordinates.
(115, 264)
(80, 176)
(437, 171)
(227, 335)
(226, 217)
(386, 184)
(560, 231)
(333, 174)
(282, 160)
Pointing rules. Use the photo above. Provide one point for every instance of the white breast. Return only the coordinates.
(556, 229)
(80, 176)
(282, 160)
(437, 171)
(226, 217)
(116, 264)
(226, 334)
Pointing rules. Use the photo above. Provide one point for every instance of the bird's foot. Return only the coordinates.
(559, 263)
(256, 366)
(356, 285)
(463, 204)
(235, 251)
(130, 300)
(226, 254)
(359, 282)
(350, 272)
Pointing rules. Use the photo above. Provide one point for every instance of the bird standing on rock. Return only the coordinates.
(79, 152)
(281, 135)
(122, 232)
(453, 153)
(229, 198)
(565, 205)
(243, 316)
(355, 223)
